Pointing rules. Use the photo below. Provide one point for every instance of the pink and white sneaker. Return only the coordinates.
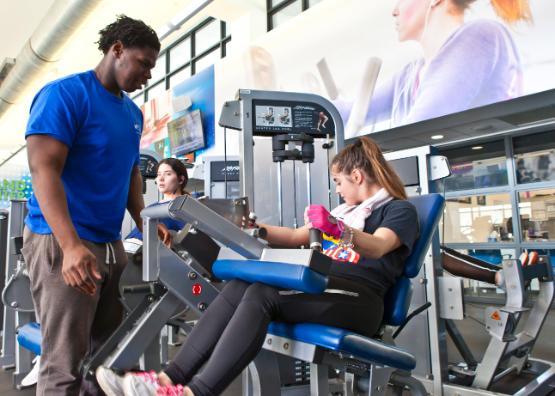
(141, 383)
(110, 382)
(170, 390)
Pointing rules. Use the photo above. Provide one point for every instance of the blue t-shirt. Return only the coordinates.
(171, 224)
(102, 132)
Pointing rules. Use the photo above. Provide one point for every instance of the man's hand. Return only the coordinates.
(164, 234)
(79, 269)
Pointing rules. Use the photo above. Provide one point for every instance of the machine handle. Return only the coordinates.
(315, 239)
(136, 289)
(160, 211)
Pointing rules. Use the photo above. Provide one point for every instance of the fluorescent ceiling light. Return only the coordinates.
(477, 147)
(192, 9)
(437, 137)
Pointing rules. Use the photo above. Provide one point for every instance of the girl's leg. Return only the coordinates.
(206, 333)
(243, 337)
(240, 342)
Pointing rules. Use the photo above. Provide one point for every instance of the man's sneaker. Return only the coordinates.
(170, 390)
(33, 376)
(141, 383)
(109, 381)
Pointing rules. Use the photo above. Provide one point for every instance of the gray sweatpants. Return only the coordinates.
(73, 324)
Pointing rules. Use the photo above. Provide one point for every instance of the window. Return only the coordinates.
(195, 50)
(501, 197)
(139, 100)
(284, 14)
(207, 36)
(537, 215)
(207, 60)
(180, 54)
(156, 90)
(476, 166)
(279, 11)
(180, 76)
(478, 219)
(535, 157)
(159, 71)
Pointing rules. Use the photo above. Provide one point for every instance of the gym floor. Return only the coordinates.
(470, 328)
(6, 387)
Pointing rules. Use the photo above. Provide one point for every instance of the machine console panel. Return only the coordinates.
(148, 166)
(276, 117)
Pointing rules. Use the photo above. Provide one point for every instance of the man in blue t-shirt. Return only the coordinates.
(83, 148)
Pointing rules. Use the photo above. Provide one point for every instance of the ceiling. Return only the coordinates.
(20, 19)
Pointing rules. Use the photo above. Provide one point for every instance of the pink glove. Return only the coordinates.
(319, 218)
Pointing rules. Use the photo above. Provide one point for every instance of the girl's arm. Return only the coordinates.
(285, 236)
(375, 245)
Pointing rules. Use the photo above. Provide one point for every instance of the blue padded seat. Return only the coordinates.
(345, 341)
(397, 300)
(28, 336)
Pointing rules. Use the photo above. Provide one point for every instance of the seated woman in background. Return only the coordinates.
(375, 230)
(171, 180)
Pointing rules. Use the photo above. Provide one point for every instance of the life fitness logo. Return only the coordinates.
(196, 289)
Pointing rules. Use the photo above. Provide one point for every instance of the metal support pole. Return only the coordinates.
(280, 194)
(460, 344)
(295, 222)
(319, 385)
(18, 211)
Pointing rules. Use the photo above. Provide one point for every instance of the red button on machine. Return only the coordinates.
(197, 289)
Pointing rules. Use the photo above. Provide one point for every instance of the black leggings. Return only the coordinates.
(231, 332)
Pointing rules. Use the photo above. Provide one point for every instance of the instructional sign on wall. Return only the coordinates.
(19, 188)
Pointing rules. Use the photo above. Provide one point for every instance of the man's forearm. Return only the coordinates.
(51, 196)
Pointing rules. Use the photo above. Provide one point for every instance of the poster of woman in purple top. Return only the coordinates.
(464, 64)
(408, 60)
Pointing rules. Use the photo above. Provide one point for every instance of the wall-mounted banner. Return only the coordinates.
(14, 188)
(391, 63)
(181, 120)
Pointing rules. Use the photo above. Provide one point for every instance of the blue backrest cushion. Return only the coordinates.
(429, 208)
(397, 300)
